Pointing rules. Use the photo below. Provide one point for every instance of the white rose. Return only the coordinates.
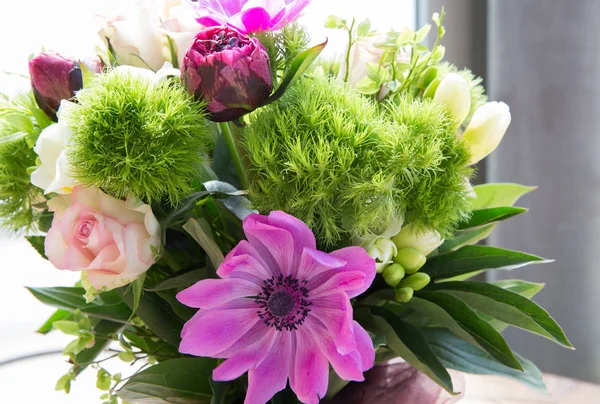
(453, 93)
(486, 129)
(54, 172)
(135, 38)
(179, 24)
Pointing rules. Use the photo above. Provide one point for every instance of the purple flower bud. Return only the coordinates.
(54, 78)
(229, 70)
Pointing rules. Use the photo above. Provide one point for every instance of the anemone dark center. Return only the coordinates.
(283, 303)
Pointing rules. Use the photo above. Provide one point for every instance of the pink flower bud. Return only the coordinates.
(55, 78)
(229, 70)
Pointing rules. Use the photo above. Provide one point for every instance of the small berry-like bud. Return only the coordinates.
(393, 274)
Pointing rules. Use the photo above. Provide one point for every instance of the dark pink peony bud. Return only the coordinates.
(55, 78)
(229, 70)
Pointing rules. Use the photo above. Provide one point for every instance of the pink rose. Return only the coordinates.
(112, 240)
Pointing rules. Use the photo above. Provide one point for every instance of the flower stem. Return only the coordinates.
(237, 161)
(348, 51)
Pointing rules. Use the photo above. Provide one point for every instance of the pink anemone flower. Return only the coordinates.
(281, 311)
(249, 16)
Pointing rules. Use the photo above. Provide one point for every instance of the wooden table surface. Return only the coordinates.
(500, 390)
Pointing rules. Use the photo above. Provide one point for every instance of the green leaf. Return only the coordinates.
(233, 199)
(37, 242)
(524, 288)
(181, 281)
(367, 86)
(498, 194)
(137, 287)
(472, 258)
(364, 28)
(485, 335)
(182, 311)
(182, 381)
(422, 33)
(102, 330)
(466, 237)
(457, 354)
(206, 241)
(58, 315)
(108, 305)
(103, 380)
(334, 22)
(508, 307)
(66, 327)
(409, 342)
(299, 65)
(157, 315)
(490, 215)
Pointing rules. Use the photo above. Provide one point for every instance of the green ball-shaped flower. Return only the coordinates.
(348, 167)
(132, 134)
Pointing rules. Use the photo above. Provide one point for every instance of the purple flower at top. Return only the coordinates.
(249, 16)
(281, 311)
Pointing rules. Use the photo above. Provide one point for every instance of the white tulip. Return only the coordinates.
(423, 240)
(166, 71)
(453, 92)
(486, 129)
(54, 172)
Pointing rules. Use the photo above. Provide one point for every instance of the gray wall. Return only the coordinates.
(544, 62)
(542, 57)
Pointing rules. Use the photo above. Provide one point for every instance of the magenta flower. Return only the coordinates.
(249, 16)
(281, 311)
(229, 70)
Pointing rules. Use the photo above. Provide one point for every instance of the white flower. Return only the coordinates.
(362, 53)
(166, 71)
(139, 37)
(135, 38)
(423, 240)
(54, 172)
(179, 24)
(383, 250)
(486, 129)
(453, 93)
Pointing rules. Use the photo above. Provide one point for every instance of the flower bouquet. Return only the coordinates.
(253, 223)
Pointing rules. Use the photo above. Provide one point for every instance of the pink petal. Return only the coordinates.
(242, 261)
(292, 12)
(249, 358)
(314, 262)
(303, 237)
(309, 375)
(349, 366)
(209, 293)
(77, 258)
(335, 313)
(272, 374)
(339, 282)
(357, 260)
(274, 245)
(364, 345)
(216, 331)
(252, 20)
(190, 323)
(55, 247)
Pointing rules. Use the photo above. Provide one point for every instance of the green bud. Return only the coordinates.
(393, 274)
(431, 88)
(403, 295)
(411, 259)
(438, 54)
(416, 281)
(428, 76)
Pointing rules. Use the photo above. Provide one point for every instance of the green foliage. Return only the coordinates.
(21, 121)
(132, 136)
(346, 167)
(477, 91)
